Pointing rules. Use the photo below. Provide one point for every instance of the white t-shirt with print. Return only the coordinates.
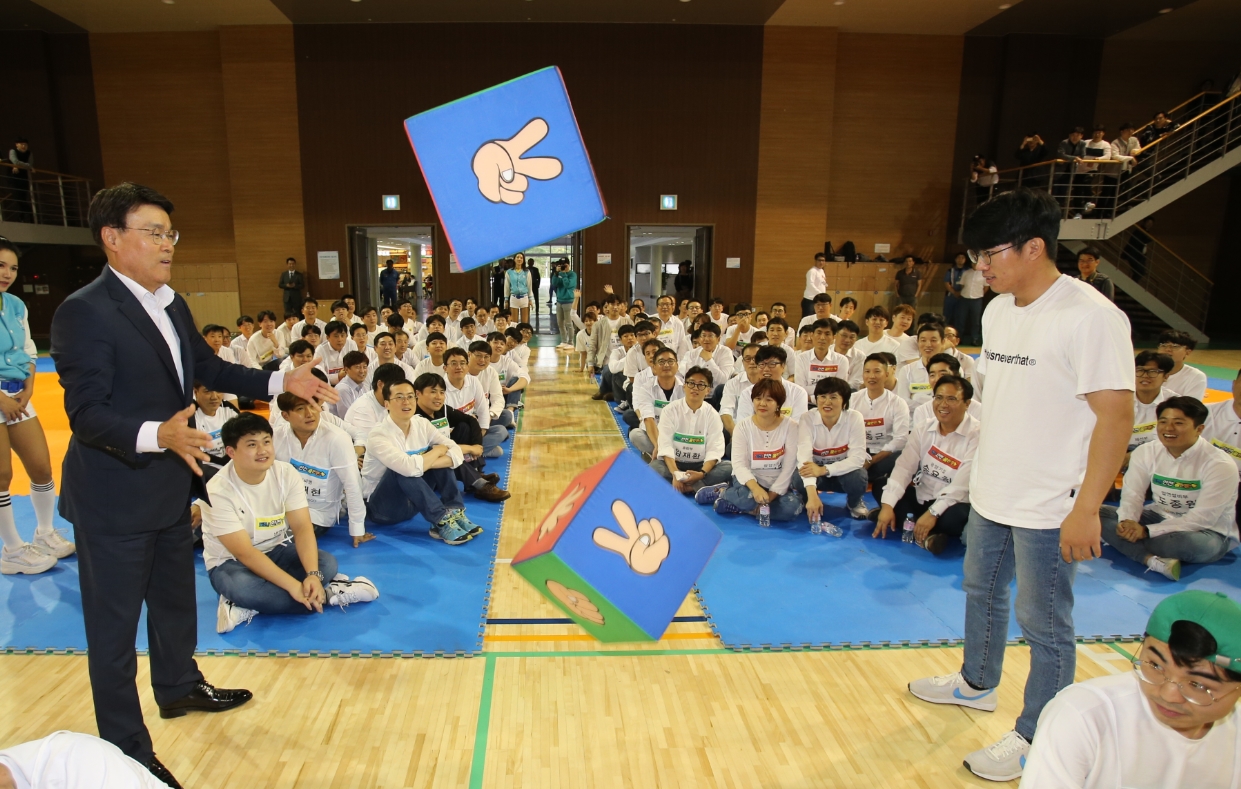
(1190, 381)
(1039, 362)
(258, 510)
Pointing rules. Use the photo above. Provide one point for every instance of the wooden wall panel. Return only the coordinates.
(161, 123)
(260, 102)
(794, 157)
(662, 108)
(895, 122)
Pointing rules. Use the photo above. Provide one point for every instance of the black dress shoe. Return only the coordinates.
(492, 478)
(205, 698)
(161, 772)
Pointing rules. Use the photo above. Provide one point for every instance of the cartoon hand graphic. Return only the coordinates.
(644, 546)
(562, 508)
(502, 173)
(575, 601)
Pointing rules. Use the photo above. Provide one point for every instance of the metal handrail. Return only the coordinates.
(43, 197)
(1172, 112)
(1151, 264)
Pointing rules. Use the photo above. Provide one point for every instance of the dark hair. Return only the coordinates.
(354, 358)
(428, 380)
(831, 384)
(889, 358)
(624, 328)
(806, 329)
(211, 328)
(704, 372)
(967, 388)
(1014, 218)
(381, 335)
(317, 372)
(523, 326)
(467, 321)
(310, 328)
(664, 350)
(953, 362)
(821, 298)
(354, 328)
(1178, 338)
(287, 401)
(287, 315)
(389, 373)
(387, 385)
(1164, 361)
(310, 300)
(111, 207)
(820, 256)
(938, 328)
(286, 260)
(1127, 125)
(480, 346)
(394, 321)
(434, 317)
(1191, 407)
(770, 387)
(848, 300)
(710, 327)
(1078, 130)
(649, 342)
(300, 346)
(1190, 643)
(775, 304)
(741, 305)
(513, 332)
(495, 335)
(880, 357)
(824, 323)
(456, 350)
(847, 325)
(771, 352)
(244, 319)
(265, 314)
(1098, 127)
(1091, 251)
(436, 335)
(758, 337)
(878, 311)
(339, 304)
(241, 426)
(646, 326)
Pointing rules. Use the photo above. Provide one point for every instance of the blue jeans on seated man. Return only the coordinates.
(994, 553)
(1192, 547)
(505, 418)
(720, 472)
(630, 418)
(641, 441)
(783, 508)
(240, 585)
(852, 484)
(513, 398)
(494, 436)
(951, 523)
(878, 474)
(398, 498)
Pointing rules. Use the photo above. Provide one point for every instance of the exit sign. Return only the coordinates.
(392, 202)
(667, 202)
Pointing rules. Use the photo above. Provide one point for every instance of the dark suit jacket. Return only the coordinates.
(117, 373)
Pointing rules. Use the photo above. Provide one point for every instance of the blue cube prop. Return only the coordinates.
(507, 168)
(619, 550)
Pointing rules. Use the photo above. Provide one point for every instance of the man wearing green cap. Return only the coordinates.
(1171, 722)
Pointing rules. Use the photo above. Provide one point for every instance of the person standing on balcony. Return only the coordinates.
(1071, 149)
(1126, 146)
(22, 162)
(293, 283)
(984, 175)
(1160, 127)
(1088, 265)
(816, 283)
(1033, 151)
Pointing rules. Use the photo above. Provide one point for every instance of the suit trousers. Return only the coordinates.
(117, 574)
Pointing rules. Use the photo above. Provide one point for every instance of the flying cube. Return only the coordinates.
(507, 168)
(619, 551)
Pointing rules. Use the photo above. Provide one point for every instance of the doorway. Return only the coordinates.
(544, 258)
(659, 254)
(409, 247)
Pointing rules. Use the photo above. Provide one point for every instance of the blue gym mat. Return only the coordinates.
(433, 597)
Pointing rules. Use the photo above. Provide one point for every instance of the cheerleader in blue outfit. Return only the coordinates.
(22, 433)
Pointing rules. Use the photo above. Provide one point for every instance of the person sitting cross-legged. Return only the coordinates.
(691, 438)
(465, 393)
(764, 460)
(258, 540)
(939, 455)
(408, 470)
(1194, 487)
(462, 429)
(653, 390)
(831, 449)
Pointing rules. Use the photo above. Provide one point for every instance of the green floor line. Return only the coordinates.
(1120, 649)
(479, 762)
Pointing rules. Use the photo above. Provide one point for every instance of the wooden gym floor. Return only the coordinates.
(546, 705)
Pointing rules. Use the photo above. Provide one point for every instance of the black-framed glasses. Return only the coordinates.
(697, 386)
(1147, 372)
(158, 236)
(976, 255)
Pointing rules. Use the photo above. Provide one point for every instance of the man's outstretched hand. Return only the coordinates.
(305, 385)
(644, 546)
(177, 436)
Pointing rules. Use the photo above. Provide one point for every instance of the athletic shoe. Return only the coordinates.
(359, 590)
(622, 408)
(26, 560)
(935, 543)
(228, 616)
(53, 541)
(490, 492)
(339, 577)
(725, 507)
(859, 513)
(471, 528)
(1168, 568)
(1002, 761)
(873, 515)
(646, 457)
(707, 494)
(953, 689)
(449, 531)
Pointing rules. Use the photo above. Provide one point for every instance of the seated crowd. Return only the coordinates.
(755, 417)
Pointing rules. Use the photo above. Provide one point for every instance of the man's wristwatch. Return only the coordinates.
(316, 574)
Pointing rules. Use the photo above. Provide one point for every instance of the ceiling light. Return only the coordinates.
(839, 2)
(1006, 6)
(169, 2)
(1165, 10)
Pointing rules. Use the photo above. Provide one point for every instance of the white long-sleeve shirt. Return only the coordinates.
(331, 361)
(1145, 420)
(809, 369)
(508, 371)
(673, 335)
(469, 399)
(857, 361)
(1195, 492)
(389, 448)
(635, 362)
(650, 399)
(263, 350)
(937, 465)
(276, 418)
(240, 350)
(365, 413)
(1223, 429)
(732, 394)
(885, 344)
(721, 364)
(328, 468)
(1190, 381)
(886, 420)
(926, 412)
(768, 456)
(816, 283)
(796, 401)
(913, 384)
(489, 382)
(840, 448)
(349, 393)
(689, 436)
(616, 360)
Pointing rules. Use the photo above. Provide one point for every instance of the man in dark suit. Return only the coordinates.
(293, 283)
(127, 354)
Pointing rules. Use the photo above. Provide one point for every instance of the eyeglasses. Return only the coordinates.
(1146, 372)
(1171, 346)
(458, 363)
(976, 255)
(158, 236)
(770, 364)
(402, 398)
(665, 362)
(950, 399)
(697, 386)
(1194, 692)
(741, 315)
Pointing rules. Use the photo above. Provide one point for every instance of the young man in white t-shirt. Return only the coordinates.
(877, 339)
(258, 540)
(1052, 345)
(352, 383)
(1172, 721)
(1186, 380)
(1224, 428)
(822, 311)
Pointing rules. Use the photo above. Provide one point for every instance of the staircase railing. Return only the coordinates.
(1105, 188)
(1187, 110)
(1160, 271)
(43, 197)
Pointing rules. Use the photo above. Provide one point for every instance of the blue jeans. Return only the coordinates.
(398, 498)
(494, 436)
(994, 553)
(721, 472)
(853, 485)
(952, 311)
(783, 508)
(239, 584)
(505, 418)
(1193, 547)
(513, 398)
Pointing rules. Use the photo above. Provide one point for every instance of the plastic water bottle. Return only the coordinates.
(908, 534)
(816, 525)
(833, 530)
(764, 516)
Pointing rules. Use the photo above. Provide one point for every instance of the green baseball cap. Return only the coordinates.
(1214, 611)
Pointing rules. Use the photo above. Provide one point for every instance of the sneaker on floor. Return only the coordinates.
(860, 512)
(26, 560)
(228, 616)
(707, 494)
(953, 689)
(646, 458)
(449, 531)
(623, 407)
(489, 492)
(53, 541)
(339, 577)
(725, 507)
(471, 528)
(1002, 761)
(1168, 568)
(359, 590)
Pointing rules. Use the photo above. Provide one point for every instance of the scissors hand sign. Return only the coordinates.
(644, 545)
(501, 172)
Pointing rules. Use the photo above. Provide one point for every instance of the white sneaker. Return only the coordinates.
(359, 590)
(1002, 761)
(860, 512)
(228, 616)
(1168, 568)
(953, 689)
(29, 559)
(54, 542)
(339, 577)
